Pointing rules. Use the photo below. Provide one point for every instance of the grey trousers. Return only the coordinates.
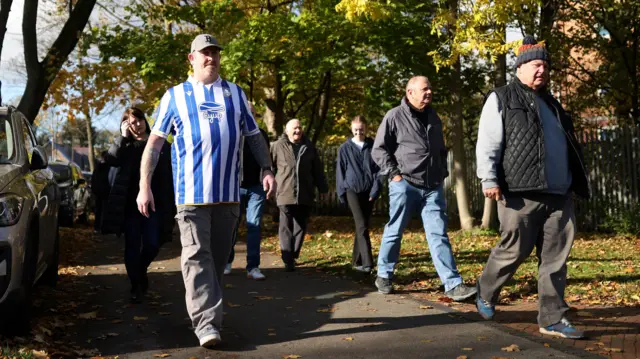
(206, 234)
(546, 222)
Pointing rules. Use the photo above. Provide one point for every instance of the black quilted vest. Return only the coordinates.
(523, 160)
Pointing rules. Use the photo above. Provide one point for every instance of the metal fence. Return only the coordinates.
(611, 154)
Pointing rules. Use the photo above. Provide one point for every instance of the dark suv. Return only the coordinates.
(74, 193)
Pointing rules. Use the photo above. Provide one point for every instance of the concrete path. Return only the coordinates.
(304, 314)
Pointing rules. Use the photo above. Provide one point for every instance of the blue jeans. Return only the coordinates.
(253, 199)
(142, 243)
(404, 200)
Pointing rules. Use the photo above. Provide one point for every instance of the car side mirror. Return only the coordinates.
(38, 159)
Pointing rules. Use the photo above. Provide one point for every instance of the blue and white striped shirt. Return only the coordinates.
(207, 122)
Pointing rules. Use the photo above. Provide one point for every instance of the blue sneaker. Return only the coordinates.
(485, 309)
(563, 329)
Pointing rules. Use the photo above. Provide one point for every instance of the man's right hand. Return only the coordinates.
(145, 201)
(397, 178)
(493, 193)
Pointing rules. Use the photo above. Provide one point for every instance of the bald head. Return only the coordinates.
(294, 131)
(418, 91)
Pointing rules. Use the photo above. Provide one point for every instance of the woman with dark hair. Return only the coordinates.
(143, 236)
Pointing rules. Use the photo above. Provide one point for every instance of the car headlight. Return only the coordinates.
(10, 208)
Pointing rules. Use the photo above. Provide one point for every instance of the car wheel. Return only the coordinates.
(16, 311)
(50, 276)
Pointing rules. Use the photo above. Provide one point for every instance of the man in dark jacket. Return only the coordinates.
(100, 188)
(530, 161)
(409, 147)
(358, 185)
(299, 172)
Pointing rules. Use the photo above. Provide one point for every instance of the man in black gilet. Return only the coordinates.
(530, 161)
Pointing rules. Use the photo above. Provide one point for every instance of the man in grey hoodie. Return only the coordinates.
(529, 160)
(409, 148)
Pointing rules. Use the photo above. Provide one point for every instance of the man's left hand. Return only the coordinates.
(269, 183)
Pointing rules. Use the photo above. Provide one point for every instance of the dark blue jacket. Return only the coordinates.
(356, 170)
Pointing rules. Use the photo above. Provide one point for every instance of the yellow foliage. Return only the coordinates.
(476, 27)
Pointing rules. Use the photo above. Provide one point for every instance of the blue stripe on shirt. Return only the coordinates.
(196, 140)
(216, 154)
(231, 125)
(247, 117)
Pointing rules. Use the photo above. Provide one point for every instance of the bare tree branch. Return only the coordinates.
(29, 17)
(5, 8)
(40, 75)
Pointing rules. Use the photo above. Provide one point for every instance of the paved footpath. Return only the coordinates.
(304, 314)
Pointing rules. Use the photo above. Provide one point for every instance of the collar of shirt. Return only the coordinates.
(196, 82)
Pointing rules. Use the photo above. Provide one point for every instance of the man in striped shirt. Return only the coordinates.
(207, 117)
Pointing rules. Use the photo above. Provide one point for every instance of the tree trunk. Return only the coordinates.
(40, 74)
(90, 142)
(323, 107)
(279, 113)
(269, 116)
(459, 158)
(490, 212)
(548, 12)
(5, 8)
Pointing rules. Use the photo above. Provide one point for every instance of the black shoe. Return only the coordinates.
(384, 285)
(289, 267)
(461, 292)
(135, 296)
(366, 270)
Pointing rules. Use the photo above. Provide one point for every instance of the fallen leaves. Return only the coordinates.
(511, 348)
(139, 318)
(326, 310)
(232, 305)
(426, 307)
(90, 315)
(467, 349)
(262, 297)
(291, 356)
(461, 357)
(348, 339)
(163, 355)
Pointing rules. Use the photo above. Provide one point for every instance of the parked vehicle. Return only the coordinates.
(29, 204)
(75, 193)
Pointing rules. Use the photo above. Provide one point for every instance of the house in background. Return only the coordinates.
(59, 152)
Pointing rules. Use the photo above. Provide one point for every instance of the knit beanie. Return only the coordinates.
(531, 50)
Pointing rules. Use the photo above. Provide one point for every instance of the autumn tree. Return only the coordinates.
(41, 71)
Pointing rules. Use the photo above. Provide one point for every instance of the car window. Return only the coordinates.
(6, 141)
(29, 141)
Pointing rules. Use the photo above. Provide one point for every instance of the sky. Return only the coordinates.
(12, 84)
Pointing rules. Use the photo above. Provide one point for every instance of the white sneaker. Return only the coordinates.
(255, 274)
(210, 340)
(227, 269)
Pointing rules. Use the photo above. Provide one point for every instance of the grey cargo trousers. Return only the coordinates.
(546, 222)
(206, 235)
